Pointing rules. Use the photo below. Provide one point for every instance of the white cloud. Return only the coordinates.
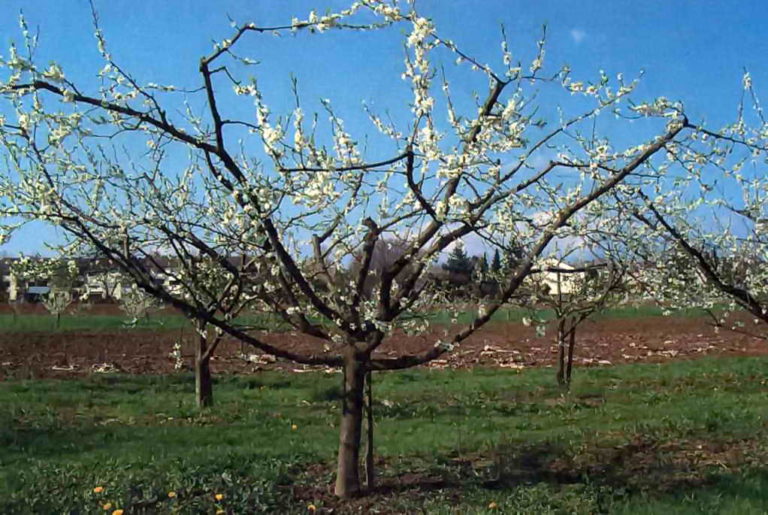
(578, 35)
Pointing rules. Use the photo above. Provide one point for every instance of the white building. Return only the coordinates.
(557, 277)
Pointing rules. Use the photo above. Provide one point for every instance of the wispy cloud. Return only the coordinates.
(578, 35)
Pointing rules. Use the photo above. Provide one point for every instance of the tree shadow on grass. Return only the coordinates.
(642, 467)
(641, 464)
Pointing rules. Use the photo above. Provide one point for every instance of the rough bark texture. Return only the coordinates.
(566, 330)
(561, 352)
(571, 345)
(203, 382)
(348, 470)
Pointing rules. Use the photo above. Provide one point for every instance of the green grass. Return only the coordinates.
(685, 437)
(513, 314)
(84, 321)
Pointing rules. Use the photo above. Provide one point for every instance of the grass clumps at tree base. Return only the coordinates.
(679, 437)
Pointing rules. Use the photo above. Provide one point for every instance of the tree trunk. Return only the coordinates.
(561, 352)
(203, 382)
(571, 345)
(348, 469)
(370, 471)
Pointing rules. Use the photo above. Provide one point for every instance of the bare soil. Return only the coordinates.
(501, 344)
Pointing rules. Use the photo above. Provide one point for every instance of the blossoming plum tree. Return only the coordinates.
(60, 275)
(694, 227)
(702, 232)
(590, 289)
(208, 287)
(296, 195)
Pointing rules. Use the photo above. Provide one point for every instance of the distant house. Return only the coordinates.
(557, 278)
(103, 285)
(16, 289)
(97, 279)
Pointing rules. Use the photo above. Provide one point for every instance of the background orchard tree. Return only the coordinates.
(719, 270)
(56, 301)
(211, 289)
(580, 293)
(585, 275)
(295, 193)
(136, 304)
(702, 235)
(598, 281)
(59, 275)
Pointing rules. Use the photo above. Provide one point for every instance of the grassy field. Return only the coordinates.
(85, 321)
(684, 437)
(516, 314)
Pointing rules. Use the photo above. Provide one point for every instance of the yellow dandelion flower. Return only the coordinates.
(107, 506)
(294, 427)
(98, 489)
(117, 512)
(219, 497)
(312, 508)
(171, 494)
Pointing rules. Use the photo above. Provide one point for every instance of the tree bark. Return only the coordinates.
(203, 381)
(571, 345)
(348, 469)
(561, 352)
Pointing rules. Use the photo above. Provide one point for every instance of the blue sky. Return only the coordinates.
(691, 50)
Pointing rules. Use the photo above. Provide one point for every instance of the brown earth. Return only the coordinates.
(505, 345)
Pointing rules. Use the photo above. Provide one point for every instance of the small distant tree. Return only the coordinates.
(59, 276)
(218, 293)
(579, 293)
(458, 275)
(483, 265)
(458, 261)
(16, 307)
(513, 255)
(203, 283)
(136, 304)
(56, 301)
(496, 262)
